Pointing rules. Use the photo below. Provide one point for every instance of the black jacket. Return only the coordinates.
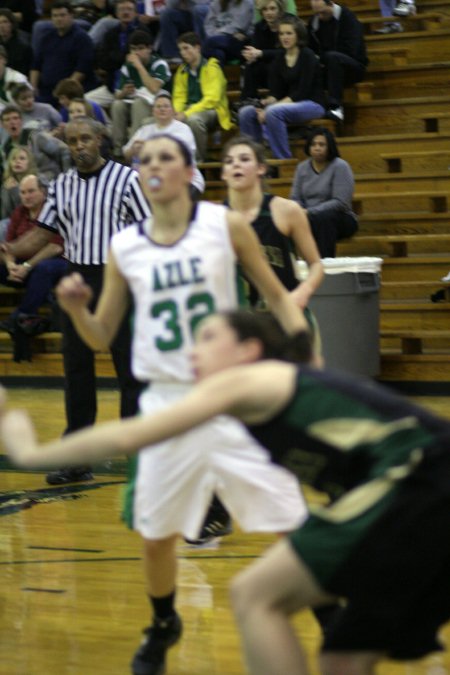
(348, 35)
(301, 82)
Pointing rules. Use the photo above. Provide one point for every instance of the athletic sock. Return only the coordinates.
(163, 609)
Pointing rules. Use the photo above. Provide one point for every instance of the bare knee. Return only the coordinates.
(243, 594)
(348, 663)
(156, 547)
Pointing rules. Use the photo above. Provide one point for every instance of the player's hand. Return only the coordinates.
(18, 436)
(301, 295)
(73, 293)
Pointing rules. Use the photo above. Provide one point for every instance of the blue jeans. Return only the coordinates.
(174, 22)
(38, 285)
(278, 116)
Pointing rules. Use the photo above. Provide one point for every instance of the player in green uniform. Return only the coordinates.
(381, 543)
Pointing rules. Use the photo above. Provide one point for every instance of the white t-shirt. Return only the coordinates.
(177, 129)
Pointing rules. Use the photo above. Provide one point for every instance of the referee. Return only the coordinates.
(87, 205)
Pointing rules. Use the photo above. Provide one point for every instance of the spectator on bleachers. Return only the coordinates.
(391, 8)
(9, 78)
(262, 49)
(18, 50)
(111, 53)
(323, 185)
(178, 17)
(94, 11)
(228, 26)
(37, 116)
(200, 93)
(295, 91)
(67, 51)
(80, 108)
(12, 127)
(66, 90)
(20, 163)
(337, 37)
(141, 77)
(147, 17)
(165, 123)
(24, 12)
(40, 268)
(83, 13)
(51, 155)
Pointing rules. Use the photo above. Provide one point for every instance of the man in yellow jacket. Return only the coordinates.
(200, 93)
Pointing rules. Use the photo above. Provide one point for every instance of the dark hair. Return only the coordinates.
(333, 151)
(182, 147)
(61, 4)
(299, 27)
(68, 87)
(257, 148)
(20, 89)
(224, 4)
(189, 38)
(140, 37)
(276, 344)
(10, 108)
(4, 11)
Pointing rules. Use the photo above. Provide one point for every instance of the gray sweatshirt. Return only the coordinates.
(331, 189)
(238, 18)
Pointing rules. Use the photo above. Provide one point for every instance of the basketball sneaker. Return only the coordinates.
(217, 523)
(150, 658)
(73, 475)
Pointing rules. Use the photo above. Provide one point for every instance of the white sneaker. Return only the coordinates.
(390, 28)
(405, 8)
(336, 114)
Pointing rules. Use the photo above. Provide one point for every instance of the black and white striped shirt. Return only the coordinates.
(87, 209)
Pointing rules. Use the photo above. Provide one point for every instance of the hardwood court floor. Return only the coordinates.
(71, 591)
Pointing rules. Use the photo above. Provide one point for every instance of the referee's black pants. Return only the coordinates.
(79, 363)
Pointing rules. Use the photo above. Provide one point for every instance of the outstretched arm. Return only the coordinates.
(251, 393)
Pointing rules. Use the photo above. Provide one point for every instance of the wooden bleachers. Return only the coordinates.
(422, 21)
(423, 46)
(395, 245)
(407, 80)
(396, 136)
(417, 202)
(414, 290)
(401, 115)
(414, 341)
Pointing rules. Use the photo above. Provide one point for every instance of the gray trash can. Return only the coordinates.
(347, 310)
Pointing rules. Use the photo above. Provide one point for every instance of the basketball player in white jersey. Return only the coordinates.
(180, 265)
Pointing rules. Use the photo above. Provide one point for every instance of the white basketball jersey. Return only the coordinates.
(174, 286)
